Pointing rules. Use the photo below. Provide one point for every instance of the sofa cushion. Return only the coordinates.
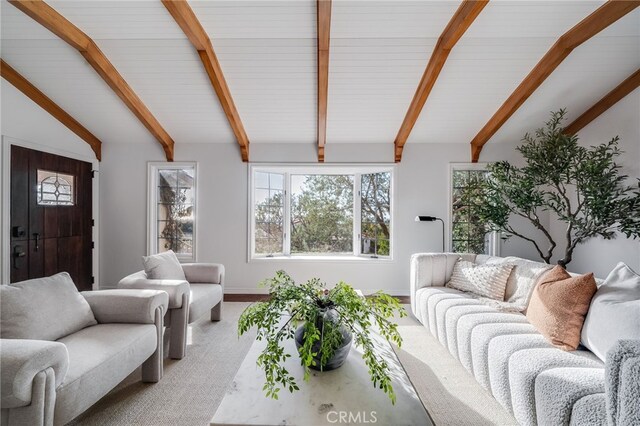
(614, 313)
(558, 306)
(100, 357)
(557, 390)
(484, 280)
(43, 309)
(481, 338)
(589, 410)
(422, 299)
(525, 367)
(524, 276)
(163, 266)
(468, 323)
(501, 349)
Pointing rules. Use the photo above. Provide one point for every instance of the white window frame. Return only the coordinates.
(152, 201)
(494, 240)
(327, 169)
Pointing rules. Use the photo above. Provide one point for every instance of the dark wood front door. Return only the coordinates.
(51, 219)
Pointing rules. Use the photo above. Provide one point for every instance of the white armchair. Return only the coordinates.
(202, 292)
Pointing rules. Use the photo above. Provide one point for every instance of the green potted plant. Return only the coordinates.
(582, 187)
(323, 322)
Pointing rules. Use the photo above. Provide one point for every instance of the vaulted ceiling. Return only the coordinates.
(267, 51)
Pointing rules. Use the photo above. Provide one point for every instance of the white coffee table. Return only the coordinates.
(342, 396)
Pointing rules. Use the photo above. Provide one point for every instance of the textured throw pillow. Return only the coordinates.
(558, 306)
(484, 280)
(614, 313)
(163, 266)
(524, 277)
(43, 309)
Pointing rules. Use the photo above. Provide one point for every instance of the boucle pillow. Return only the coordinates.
(614, 313)
(484, 280)
(558, 306)
(43, 309)
(163, 266)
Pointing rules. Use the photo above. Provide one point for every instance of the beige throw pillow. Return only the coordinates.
(484, 280)
(558, 306)
(163, 266)
(46, 308)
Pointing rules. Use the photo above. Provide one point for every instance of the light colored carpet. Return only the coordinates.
(192, 388)
(448, 391)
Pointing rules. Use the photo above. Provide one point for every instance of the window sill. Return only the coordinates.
(328, 259)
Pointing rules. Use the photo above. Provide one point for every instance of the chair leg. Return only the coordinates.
(152, 368)
(216, 312)
(178, 330)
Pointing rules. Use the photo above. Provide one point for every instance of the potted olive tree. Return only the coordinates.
(324, 322)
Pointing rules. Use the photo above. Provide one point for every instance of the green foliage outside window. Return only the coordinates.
(468, 231)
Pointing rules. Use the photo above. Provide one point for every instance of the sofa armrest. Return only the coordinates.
(21, 360)
(175, 289)
(432, 270)
(212, 273)
(126, 306)
(622, 383)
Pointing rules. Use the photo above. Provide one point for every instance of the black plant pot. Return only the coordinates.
(338, 358)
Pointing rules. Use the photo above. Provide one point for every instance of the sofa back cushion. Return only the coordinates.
(614, 313)
(163, 266)
(43, 309)
(484, 280)
(558, 306)
(524, 277)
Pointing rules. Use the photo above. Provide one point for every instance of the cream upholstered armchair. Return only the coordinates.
(189, 299)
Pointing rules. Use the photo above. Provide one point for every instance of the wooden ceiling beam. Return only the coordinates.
(467, 12)
(49, 18)
(597, 21)
(323, 14)
(623, 89)
(33, 93)
(190, 25)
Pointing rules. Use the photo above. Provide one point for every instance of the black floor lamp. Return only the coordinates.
(432, 219)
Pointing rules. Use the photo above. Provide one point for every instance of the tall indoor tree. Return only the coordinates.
(580, 186)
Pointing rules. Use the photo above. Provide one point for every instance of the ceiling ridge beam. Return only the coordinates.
(49, 18)
(461, 20)
(192, 28)
(42, 100)
(597, 21)
(623, 89)
(323, 15)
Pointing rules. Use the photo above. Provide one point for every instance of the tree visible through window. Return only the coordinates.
(300, 213)
(172, 208)
(467, 232)
(375, 200)
(321, 214)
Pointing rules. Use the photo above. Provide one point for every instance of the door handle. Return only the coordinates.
(17, 254)
(36, 237)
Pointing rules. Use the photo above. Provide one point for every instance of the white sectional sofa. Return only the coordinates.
(535, 381)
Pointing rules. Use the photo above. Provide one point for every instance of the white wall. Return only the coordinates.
(222, 223)
(25, 120)
(422, 179)
(599, 255)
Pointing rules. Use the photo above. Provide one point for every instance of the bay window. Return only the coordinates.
(320, 212)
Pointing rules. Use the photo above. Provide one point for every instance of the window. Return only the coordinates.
(172, 209)
(310, 211)
(468, 235)
(55, 189)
